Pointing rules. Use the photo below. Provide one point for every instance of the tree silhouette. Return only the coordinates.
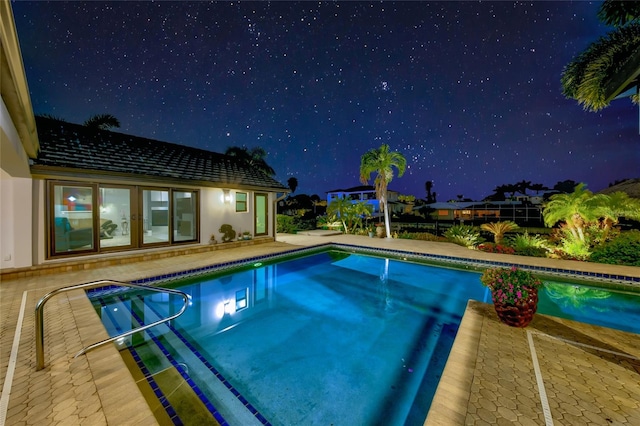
(102, 122)
(428, 186)
(566, 186)
(254, 158)
(537, 187)
(292, 183)
(522, 186)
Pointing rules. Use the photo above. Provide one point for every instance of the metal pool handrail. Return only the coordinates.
(94, 284)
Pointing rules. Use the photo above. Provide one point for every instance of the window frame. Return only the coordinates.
(244, 202)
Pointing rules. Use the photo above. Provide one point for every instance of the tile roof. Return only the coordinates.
(79, 150)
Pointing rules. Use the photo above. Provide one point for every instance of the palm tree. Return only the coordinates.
(498, 229)
(614, 206)
(382, 161)
(574, 209)
(254, 158)
(341, 208)
(428, 186)
(292, 183)
(102, 122)
(609, 66)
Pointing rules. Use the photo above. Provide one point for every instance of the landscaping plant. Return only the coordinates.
(464, 235)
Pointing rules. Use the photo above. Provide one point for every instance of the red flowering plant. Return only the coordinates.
(510, 286)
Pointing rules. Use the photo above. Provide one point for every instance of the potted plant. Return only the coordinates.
(370, 231)
(212, 239)
(514, 293)
(380, 230)
(246, 235)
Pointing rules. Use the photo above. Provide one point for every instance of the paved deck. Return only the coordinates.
(554, 371)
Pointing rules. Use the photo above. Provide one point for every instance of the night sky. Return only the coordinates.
(468, 92)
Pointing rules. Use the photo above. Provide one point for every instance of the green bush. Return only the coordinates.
(422, 236)
(285, 224)
(464, 235)
(622, 250)
(529, 245)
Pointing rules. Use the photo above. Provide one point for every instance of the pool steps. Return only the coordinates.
(201, 380)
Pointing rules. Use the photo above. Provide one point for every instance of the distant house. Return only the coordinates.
(494, 211)
(69, 191)
(367, 193)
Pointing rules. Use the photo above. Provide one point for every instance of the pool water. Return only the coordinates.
(332, 338)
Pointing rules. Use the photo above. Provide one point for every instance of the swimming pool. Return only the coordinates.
(330, 338)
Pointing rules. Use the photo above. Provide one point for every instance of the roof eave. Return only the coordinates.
(39, 171)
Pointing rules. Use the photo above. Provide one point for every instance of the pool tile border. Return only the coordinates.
(613, 281)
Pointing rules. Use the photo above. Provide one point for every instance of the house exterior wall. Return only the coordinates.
(214, 212)
(15, 194)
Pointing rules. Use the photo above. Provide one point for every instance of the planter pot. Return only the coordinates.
(371, 234)
(380, 231)
(517, 315)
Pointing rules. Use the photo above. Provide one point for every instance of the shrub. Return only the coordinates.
(422, 236)
(573, 249)
(529, 245)
(495, 248)
(285, 224)
(622, 250)
(464, 235)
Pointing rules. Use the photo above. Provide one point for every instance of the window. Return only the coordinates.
(184, 215)
(242, 299)
(72, 218)
(241, 201)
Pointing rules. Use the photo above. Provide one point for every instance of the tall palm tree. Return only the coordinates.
(610, 65)
(382, 161)
(254, 158)
(428, 186)
(575, 209)
(102, 122)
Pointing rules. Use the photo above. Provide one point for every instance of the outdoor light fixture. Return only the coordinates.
(227, 196)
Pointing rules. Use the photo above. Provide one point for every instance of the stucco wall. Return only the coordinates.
(15, 197)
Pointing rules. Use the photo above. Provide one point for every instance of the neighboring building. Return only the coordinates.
(367, 193)
(69, 191)
(517, 211)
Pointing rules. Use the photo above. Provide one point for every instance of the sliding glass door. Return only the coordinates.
(118, 224)
(72, 220)
(93, 218)
(155, 216)
(184, 215)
